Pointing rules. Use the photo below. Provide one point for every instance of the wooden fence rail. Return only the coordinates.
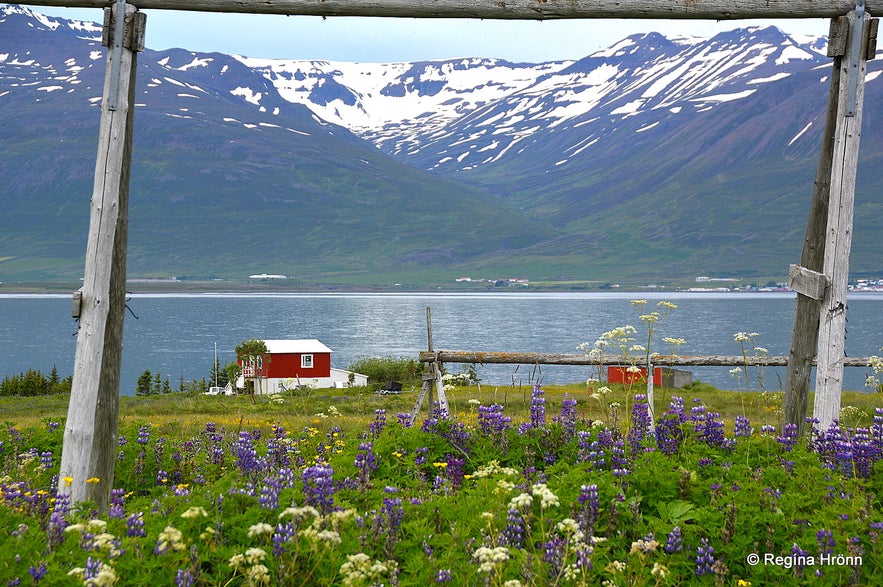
(528, 358)
(508, 10)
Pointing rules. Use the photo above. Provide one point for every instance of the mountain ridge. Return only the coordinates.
(606, 168)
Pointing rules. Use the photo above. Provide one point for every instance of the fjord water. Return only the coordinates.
(176, 334)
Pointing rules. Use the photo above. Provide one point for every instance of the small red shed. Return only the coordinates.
(297, 359)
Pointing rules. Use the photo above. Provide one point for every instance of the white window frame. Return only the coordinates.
(306, 361)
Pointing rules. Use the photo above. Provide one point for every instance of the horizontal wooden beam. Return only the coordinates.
(522, 358)
(507, 9)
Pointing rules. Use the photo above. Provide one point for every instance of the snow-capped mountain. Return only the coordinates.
(464, 113)
(655, 157)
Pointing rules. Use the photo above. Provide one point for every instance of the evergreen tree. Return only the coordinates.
(143, 387)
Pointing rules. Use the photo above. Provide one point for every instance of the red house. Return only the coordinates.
(290, 364)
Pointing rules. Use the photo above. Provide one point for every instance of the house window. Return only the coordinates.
(306, 361)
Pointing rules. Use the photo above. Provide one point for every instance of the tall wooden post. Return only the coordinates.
(805, 334)
(838, 240)
(89, 451)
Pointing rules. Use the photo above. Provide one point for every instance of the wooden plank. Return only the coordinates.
(807, 282)
(832, 323)
(530, 358)
(90, 435)
(508, 9)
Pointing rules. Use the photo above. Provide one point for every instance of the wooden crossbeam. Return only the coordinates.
(532, 358)
(508, 9)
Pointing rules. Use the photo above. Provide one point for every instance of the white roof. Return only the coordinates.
(306, 345)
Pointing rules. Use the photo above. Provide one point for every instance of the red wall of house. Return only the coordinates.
(287, 365)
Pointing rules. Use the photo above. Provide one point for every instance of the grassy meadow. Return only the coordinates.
(516, 486)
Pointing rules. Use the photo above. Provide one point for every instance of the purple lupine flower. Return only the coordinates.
(318, 487)
(788, 438)
(144, 435)
(640, 424)
(117, 503)
(587, 514)
(513, 533)
(93, 567)
(491, 421)
(247, 457)
(37, 572)
(58, 520)
(404, 419)
(269, 493)
(443, 576)
(618, 461)
(135, 525)
(670, 427)
(379, 423)
(826, 541)
(711, 430)
(742, 427)
(184, 578)
(366, 463)
(553, 553)
(537, 408)
(674, 542)
(283, 534)
(568, 416)
(704, 558)
(799, 556)
(46, 459)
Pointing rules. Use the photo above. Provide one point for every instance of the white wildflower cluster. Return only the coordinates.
(619, 338)
(521, 501)
(298, 514)
(361, 569)
(547, 498)
(276, 398)
(490, 559)
(96, 537)
(742, 337)
(194, 512)
(493, 469)
(259, 529)
(601, 392)
(251, 565)
(504, 486)
(323, 530)
(873, 381)
(643, 546)
(333, 411)
(170, 539)
(105, 577)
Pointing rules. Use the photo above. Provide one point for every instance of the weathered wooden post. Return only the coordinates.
(807, 278)
(432, 377)
(838, 241)
(89, 451)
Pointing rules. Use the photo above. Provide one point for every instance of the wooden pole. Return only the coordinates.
(508, 10)
(832, 323)
(89, 450)
(805, 333)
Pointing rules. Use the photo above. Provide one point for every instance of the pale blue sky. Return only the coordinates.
(397, 39)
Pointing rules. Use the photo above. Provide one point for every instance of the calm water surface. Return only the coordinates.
(176, 334)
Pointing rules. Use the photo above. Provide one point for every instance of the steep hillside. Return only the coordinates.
(657, 159)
